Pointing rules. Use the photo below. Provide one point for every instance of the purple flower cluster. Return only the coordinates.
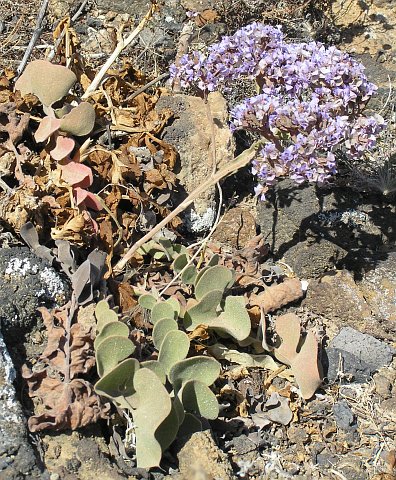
(234, 56)
(310, 103)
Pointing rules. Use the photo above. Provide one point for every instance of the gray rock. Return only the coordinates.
(344, 417)
(353, 369)
(17, 458)
(312, 259)
(26, 283)
(295, 213)
(361, 355)
(191, 134)
(375, 353)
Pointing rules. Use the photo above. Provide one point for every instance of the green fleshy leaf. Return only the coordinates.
(118, 382)
(162, 310)
(174, 348)
(147, 301)
(189, 275)
(199, 274)
(152, 409)
(155, 367)
(175, 305)
(111, 352)
(167, 431)
(180, 262)
(204, 312)
(110, 329)
(203, 369)
(160, 330)
(214, 260)
(198, 399)
(216, 277)
(234, 320)
(104, 314)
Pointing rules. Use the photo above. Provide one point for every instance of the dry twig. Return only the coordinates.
(36, 34)
(122, 43)
(239, 162)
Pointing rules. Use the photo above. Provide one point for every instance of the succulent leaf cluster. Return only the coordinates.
(310, 102)
(51, 84)
(168, 394)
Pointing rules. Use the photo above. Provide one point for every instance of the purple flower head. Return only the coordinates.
(310, 102)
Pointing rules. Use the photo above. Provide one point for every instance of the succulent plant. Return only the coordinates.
(51, 83)
(160, 394)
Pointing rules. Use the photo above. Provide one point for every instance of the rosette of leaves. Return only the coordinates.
(51, 83)
(164, 396)
(212, 307)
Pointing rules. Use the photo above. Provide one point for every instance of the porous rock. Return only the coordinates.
(360, 354)
(26, 283)
(312, 259)
(191, 134)
(200, 458)
(17, 458)
(336, 297)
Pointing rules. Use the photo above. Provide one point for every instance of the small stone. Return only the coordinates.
(383, 386)
(344, 417)
(365, 347)
(54, 476)
(389, 406)
(297, 434)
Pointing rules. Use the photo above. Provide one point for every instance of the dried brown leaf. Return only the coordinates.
(277, 296)
(61, 399)
(288, 328)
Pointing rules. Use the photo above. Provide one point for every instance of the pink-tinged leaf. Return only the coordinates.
(288, 328)
(76, 174)
(306, 367)
(64, 146)
(89, 199)
(47, 127)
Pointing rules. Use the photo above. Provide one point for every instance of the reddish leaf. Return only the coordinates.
(89, 199)
(76, 174)
(47, 127)
(64, 146)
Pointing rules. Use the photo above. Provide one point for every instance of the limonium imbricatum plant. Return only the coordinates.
(310, 102)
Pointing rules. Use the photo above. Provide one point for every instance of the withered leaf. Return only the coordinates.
(67, 405)
(277, 296)
(61, 399)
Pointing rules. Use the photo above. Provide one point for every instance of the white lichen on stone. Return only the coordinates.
(8, 404)
(197, 223)
(20, 266)
(350, 217)
(53, 283)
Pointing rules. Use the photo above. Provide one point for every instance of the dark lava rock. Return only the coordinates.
(312, 259)
(17, 457)
(344, 417)
(295, 213)
(361, 355)
(26, 283)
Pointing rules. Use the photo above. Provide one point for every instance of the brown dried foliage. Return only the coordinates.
(62, 399)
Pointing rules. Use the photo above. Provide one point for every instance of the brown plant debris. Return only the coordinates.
(62, 399)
